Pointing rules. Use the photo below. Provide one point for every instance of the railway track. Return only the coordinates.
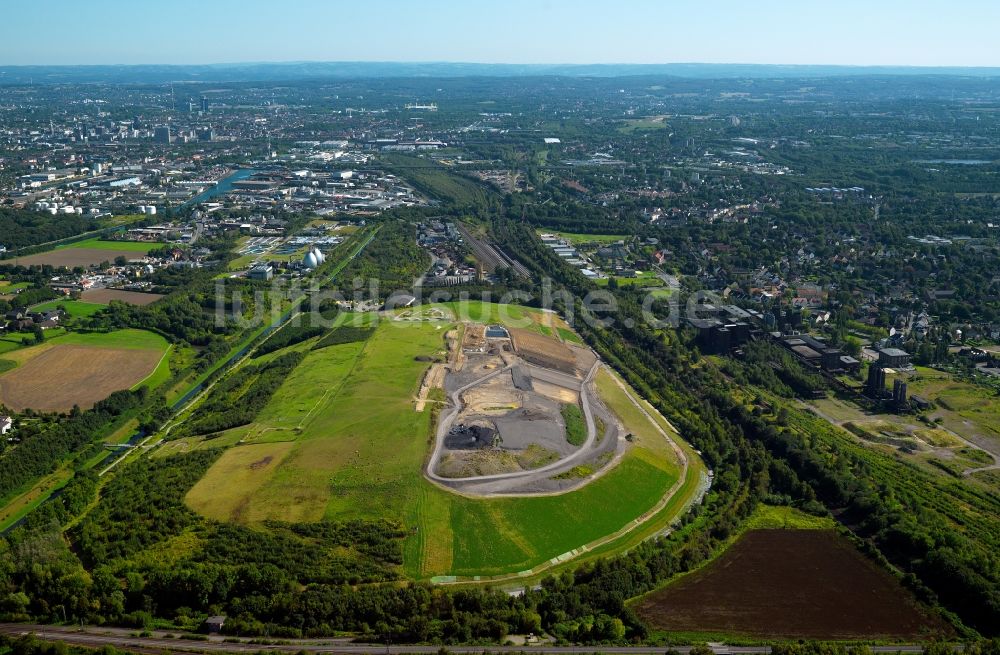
(492, 256)
(160, 642)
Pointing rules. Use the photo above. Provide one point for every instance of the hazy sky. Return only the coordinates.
(899, 32)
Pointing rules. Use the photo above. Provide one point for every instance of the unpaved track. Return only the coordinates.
(504, 480)
(628, 528)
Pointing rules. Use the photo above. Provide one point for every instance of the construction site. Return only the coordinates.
(521, 414)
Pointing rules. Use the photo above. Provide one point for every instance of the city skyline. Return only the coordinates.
(893, 33)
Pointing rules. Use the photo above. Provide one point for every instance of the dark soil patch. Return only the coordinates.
(261, 463)
(810, 584)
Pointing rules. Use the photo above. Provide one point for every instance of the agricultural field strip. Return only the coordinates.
(625, 530)
(85, 373)
(760, 586)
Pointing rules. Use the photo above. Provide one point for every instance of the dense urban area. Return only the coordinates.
(510, 361)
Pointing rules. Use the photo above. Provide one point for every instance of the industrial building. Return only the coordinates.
(819, 354)
(893, 358)
(716, 336)
(262, 272)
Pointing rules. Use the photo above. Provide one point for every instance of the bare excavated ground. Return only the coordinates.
(521, 418)
(545, 351)
(513, 422)
(494, 397)
(468, 463)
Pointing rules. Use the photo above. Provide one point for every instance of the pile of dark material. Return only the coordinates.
(470, 437)
(522, 379)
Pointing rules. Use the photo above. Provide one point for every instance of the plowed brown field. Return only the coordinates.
(71, 257)
(810, 584)
(105, 296)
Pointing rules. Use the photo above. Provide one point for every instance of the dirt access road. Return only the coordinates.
(488, 485)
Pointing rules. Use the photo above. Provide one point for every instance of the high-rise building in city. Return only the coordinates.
(162, 134)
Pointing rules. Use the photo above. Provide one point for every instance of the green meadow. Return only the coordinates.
(75, 308)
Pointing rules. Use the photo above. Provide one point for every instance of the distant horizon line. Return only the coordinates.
(450, 62)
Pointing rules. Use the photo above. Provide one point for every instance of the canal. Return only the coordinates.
(224, 185)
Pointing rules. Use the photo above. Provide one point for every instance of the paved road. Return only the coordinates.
(96, 637)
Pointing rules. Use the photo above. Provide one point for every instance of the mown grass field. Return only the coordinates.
(11, 342)
(89, 252)
(642, 279)
(75, 308)
(512, 534)
(514, 316)
(345, 442)
(128, 339)
(240, 472)
(8, 287)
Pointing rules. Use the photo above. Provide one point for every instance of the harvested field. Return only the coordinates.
(70, 257)
(543, 351)
(105, 296)
(66, 375)
(810, 584)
